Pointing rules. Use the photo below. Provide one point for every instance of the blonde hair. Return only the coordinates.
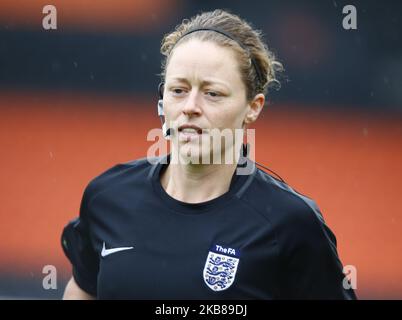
(248, 46)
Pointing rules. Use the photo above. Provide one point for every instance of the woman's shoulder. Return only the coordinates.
(135, 170)
(281, 204)
(295, 218)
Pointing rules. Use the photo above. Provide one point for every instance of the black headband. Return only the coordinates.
(257, 70)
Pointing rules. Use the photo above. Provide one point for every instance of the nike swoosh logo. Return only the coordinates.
(105, 252)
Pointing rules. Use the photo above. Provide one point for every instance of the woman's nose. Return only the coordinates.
(191, 106)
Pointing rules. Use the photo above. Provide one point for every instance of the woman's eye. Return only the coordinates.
(213, 94)
(177, 91)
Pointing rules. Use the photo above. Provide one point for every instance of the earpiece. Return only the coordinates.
(161, 114)
(160, 90)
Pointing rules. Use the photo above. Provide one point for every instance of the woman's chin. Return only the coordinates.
(194, 154)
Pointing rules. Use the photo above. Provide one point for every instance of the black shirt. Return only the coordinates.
(259, 240)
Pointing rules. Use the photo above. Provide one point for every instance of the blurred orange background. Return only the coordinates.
(53, 145)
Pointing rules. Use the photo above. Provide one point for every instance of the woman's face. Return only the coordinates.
(203, 88)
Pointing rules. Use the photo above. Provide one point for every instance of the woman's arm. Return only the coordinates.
(74, 292)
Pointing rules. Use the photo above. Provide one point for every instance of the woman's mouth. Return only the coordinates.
(189, 132)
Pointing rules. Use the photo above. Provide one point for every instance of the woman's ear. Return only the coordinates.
(255, 107)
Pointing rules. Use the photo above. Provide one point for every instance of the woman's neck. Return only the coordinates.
(194, 183)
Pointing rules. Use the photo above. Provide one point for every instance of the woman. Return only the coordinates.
(181, 228)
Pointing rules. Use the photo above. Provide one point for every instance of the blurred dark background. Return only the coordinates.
(120, 55)
(76, 100)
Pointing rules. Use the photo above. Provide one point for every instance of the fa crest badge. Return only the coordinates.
(220, 267)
